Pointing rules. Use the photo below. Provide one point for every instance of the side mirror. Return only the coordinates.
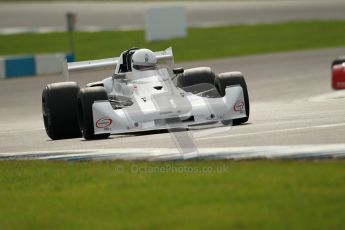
(178, 70)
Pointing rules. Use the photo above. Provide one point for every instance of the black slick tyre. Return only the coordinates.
(195, 76)
(59, 109)
(233, 78)
(86, 97)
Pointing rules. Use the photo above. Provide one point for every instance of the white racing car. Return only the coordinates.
(144, 93)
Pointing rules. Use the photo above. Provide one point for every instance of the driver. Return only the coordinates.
(144, 59)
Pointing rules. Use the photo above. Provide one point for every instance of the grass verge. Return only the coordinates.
(219, 194)
(201, 43)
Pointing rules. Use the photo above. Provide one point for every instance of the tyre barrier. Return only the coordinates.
(32, 65)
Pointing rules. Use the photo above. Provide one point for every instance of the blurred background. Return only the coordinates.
(105, 28)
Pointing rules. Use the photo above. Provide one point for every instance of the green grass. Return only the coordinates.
(201, 43)
(246, 195)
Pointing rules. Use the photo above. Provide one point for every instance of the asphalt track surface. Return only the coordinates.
(293, 111)
(93, 16)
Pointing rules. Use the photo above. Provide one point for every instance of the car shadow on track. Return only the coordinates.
(160, 131)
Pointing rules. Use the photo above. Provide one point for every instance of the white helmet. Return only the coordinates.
(144, 59)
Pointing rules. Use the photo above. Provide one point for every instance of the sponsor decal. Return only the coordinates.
(104, 122)
(239, 106)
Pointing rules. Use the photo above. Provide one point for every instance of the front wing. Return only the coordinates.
(169, 111)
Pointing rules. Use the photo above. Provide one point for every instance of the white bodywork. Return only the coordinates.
(155, 102)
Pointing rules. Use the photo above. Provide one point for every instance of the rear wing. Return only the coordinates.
(92, 64)
(111, 63)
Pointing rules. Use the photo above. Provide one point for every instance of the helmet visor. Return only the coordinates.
(145, 67)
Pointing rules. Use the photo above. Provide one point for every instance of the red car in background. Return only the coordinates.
(338, 73)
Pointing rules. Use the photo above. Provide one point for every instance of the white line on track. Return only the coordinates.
(21, 131)
(335, 95)
(44, 30)
(327, 151)
(275, 131)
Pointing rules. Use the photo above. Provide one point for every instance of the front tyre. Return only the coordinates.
(59, 109)
(233, 78)
(86, 97)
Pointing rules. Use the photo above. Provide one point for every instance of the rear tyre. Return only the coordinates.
(233, 78)
(196, 76)
(338, 61)
(59, 109)
(86, 97)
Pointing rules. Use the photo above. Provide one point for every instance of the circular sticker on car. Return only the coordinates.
(239, 106)
(104, 122)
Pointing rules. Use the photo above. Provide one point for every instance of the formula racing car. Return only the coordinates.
(338, 73)
(145, 92)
